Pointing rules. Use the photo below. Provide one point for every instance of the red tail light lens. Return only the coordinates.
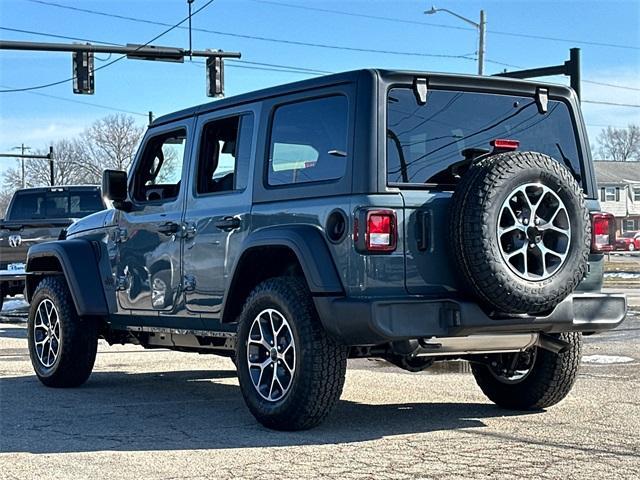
(602, 232)
(378, 231)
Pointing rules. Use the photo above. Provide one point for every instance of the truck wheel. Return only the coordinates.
(534, 379)
(520, 232)
(62, 346)
(291, 372)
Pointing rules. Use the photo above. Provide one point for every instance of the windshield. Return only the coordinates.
(629, 234)
(55, 203)
(426, 143)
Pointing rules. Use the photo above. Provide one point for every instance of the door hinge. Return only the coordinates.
(189, 282)
(420, 90)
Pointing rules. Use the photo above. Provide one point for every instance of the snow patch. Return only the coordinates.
(606, 359)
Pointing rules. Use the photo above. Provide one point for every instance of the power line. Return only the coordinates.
(268, 39)
(415, 22)
(82, 102)
(274, 66)
(257, 37)
(615, 104)
(172, 27)
(594, 82)
(613, 85)
(53, 35)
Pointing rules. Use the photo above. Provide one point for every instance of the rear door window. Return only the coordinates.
(427, 144)
(309, 141)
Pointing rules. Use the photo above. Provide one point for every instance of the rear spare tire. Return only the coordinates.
(520, 232)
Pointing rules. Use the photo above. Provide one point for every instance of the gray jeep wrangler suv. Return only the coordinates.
(411, 216)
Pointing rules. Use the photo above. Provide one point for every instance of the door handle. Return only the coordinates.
(169, 228)
(228, 223)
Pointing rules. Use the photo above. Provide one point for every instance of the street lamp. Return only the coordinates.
(481, 29)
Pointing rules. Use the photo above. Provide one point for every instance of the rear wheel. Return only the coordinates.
(291, 372)
(62, 346)
(530, 380)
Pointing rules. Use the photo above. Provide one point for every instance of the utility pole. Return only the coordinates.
(22, 156)
(481, 27)
(22, 149)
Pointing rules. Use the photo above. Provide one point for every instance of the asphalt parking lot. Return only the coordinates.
(160, 415)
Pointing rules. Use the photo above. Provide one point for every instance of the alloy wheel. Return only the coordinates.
(534, 232)
(46, 333)
(271, 355)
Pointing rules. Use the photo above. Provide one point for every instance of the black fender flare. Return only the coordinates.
(309, 246)
(80, 263)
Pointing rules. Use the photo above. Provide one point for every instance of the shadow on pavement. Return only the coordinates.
(13, 332)
(186, 410)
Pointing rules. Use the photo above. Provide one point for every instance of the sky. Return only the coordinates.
(402, 36)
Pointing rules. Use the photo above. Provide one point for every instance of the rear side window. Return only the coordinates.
(428, 144)
(309, 141)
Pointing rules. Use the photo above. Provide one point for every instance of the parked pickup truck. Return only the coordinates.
(412, 216)
(37, 215)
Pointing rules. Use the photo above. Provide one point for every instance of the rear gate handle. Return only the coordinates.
(228, 223)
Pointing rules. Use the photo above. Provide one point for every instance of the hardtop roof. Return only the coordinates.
(351, 76)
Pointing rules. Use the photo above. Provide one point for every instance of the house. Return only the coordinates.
(619, 192)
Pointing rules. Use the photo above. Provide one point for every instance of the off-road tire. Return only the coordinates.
(320, 364)
(475, 208)
(550, 380)
(78, 337)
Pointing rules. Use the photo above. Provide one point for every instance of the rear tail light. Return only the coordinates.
(602, 232)
(376, 231)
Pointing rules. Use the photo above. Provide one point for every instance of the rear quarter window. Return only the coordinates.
(309, 141)
(425, 141)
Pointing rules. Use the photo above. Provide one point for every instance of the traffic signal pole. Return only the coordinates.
(24, 156)
(83, 58)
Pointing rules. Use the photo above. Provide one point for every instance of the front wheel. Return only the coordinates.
(62, 346)
(530, 380)
(632, 247)
(291, 372)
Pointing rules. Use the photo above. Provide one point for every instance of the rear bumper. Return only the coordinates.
(369, 321)
(12, 282)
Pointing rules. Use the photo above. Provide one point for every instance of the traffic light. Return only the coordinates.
(83, 79)
(215, 77)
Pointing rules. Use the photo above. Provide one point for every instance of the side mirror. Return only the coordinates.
(114, 186)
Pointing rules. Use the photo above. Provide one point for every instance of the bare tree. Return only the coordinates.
(620, 144)
(111, 142)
